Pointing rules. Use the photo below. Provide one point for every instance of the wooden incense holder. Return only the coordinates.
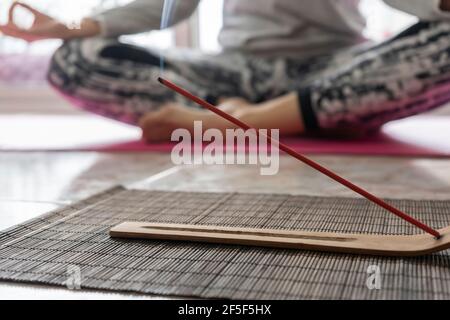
(384, 245)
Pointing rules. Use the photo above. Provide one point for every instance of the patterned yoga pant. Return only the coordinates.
(361, 88)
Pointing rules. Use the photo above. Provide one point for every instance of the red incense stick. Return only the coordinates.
(304, 159)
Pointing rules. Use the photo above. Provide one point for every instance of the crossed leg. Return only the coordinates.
(360, 91)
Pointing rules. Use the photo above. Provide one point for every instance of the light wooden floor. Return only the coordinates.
(34, 183)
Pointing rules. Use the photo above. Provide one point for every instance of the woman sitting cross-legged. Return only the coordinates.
(300, 66)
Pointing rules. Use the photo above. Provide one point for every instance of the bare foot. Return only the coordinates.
(281, 113)
(159, 125)
(233, 104)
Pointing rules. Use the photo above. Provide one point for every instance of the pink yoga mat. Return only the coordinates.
(427, 136)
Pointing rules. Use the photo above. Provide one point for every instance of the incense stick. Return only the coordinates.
(304, 159)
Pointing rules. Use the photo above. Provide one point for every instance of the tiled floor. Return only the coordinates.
(34, 183)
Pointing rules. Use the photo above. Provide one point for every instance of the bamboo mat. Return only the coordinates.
(42, 250)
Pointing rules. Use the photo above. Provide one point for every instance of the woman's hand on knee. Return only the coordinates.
(46, 27)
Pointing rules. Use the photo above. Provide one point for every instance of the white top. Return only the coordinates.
(298, 28)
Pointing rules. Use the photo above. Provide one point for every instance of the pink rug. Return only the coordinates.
(427, 136)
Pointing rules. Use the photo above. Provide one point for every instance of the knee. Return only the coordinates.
(73, 62)
(61, 70)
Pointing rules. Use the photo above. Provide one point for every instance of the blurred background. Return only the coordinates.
(23, 66)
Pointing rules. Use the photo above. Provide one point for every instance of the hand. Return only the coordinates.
(42, 28)
(46, 27)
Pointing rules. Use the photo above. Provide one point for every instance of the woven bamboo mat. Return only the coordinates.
(44, 249)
